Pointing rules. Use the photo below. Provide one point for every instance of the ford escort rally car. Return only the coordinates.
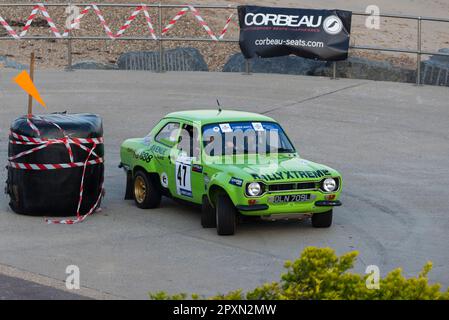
(233, 164)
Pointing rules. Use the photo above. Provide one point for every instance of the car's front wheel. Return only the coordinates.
(146, 193)
(226, 216)
(322, 220)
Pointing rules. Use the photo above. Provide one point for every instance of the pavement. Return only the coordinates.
(389, 141)
(18, 289)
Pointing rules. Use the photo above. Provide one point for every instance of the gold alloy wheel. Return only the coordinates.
(140, 189)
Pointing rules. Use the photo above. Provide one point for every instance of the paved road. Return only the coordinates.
(389, 140)
(18, 289)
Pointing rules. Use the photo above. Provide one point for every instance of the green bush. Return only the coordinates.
(320, 274)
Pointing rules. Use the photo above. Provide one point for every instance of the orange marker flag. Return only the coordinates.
(24, 81)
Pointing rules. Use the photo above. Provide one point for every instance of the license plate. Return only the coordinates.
(290, 198)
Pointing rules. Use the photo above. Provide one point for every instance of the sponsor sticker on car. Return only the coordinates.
(236, 181)
(225, 127)
(183, 175)
(258, 126)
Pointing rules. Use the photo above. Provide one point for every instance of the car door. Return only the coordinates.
(188, 170)
(165, 142)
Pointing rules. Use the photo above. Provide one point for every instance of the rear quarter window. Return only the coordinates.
(168, 134)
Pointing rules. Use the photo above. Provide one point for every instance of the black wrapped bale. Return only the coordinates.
(46, 181)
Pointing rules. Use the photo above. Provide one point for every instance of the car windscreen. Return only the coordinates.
(245, 138)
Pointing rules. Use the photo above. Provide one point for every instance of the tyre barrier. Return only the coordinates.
(56, 166)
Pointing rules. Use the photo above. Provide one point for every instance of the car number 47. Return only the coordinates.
(181, 176)
(183, 183)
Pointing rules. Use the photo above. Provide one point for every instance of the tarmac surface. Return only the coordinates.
(390, 141)
(18, 289)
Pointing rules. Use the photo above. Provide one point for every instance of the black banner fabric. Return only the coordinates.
(315, 34)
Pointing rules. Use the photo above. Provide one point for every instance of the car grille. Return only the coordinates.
(293, 186)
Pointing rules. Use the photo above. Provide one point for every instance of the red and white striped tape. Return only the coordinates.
(203, 23)
(107, 29)
(80, 218)
(42, 143)
(149, 23)
(29, 140)
(131, 19)
(30, 166)
(226, 27)
(173, 21)
(33, 127)
(142, 8)
(40, 8)
(8, 28)
(103, 22)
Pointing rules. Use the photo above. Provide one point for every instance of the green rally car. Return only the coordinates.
(233, 164)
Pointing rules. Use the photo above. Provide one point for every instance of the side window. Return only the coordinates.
(168, 134)
(189, 142)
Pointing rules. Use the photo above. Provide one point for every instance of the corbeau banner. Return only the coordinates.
(316, 34)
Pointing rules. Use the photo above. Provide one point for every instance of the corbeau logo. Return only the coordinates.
(332, 25)
(282, 20)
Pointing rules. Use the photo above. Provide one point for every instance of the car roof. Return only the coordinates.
(214, 116)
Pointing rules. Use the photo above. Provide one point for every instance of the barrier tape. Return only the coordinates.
(226, 27)
(174, 20)
(108, 31)
(203, 23)
(30, 140)
(10, 30)
(131, 19)
(33, 127)
(31, 166)
(42, 143)
(103, 22)
(149, 24)
(40, 7)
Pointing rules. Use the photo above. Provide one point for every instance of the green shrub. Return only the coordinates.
(320, 274)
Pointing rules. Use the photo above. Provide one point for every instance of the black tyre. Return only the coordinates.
(322, 220)
(208, 219)
(147, 195)
(226, 216)
(129, 186)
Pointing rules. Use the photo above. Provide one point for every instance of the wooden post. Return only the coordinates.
(30, 98)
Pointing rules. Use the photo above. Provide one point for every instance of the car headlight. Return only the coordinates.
(254, 189)
(329, 185)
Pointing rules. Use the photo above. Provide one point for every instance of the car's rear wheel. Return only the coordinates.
(146, 193)
(208, 219)
(322, 220)
(226, 216)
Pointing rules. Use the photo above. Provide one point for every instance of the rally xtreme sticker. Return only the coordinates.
(292, 175)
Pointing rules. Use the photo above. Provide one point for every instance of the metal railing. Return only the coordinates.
(161, 38)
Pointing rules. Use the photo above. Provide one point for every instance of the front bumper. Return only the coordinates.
(319, 202)
(261, 207)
